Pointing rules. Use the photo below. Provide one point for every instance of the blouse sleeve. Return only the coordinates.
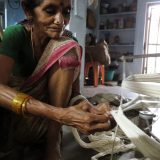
(11, 42)
(70, 60)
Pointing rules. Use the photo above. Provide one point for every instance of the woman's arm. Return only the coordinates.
(7, 94)
(74, 116)
(6, 65)
(62, 87)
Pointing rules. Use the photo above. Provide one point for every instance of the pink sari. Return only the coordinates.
(53, 52)
(56, 51)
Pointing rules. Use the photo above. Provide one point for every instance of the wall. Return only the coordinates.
(13, 15)
(139, 38)
(78, 27)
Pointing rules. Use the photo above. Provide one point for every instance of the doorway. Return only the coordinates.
(152, 38)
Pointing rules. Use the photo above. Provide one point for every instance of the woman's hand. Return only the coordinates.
(86, 118)
(106, 108)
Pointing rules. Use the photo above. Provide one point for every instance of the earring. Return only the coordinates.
(30, 20)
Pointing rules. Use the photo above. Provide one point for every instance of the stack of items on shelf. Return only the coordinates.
(107, 8)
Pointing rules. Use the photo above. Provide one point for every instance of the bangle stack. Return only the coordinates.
(19, 103)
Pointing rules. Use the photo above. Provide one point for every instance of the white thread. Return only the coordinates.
(76, 98)
(147, 145)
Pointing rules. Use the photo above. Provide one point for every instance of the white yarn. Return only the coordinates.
(140, 159)
(103, 142)
(144, 78)
(76, 98)
(106, 148)
(145, 144)
(148, 84)
(141, 102)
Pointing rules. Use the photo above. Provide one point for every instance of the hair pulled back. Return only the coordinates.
(31, 4)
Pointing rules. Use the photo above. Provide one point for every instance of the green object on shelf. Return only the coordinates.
(109, 75)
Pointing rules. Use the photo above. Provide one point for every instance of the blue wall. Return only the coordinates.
(13, 15)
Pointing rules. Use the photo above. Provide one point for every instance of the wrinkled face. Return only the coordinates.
(51, 16)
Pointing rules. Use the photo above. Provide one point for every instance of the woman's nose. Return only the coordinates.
(58, 18)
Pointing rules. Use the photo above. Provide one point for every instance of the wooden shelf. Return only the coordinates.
(119, 25)
(121, 45)
(113, 30)
(118, 14)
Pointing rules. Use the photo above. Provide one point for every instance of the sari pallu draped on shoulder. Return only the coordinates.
(26, 131)
(54, 52)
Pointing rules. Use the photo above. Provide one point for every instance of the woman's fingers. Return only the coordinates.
(86, 118)
(95, 110)
(91, 123)
(95, 123)
(104, 107)
(92, 128)
(99, 109)
(94, 118)
(97, 127)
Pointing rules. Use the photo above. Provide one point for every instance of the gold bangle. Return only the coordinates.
(23, 109)
(17, 102)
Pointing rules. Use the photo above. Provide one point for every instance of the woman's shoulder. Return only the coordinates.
(18, 28)
(14, 38)
(16, 33)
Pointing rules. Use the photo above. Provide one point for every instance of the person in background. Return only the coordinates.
(39, 85)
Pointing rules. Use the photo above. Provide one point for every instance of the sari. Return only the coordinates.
(19, 135)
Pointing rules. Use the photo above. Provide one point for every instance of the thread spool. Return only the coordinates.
(145, 121)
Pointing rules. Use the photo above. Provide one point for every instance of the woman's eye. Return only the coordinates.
(66, 12)
(51, 10)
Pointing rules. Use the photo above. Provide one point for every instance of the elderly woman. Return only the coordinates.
(39, 76)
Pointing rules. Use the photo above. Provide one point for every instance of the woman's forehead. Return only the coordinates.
(66, 2)
(57, 2)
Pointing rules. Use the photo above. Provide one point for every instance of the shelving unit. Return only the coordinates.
(119, 13)
(116, 24)
(113, 30)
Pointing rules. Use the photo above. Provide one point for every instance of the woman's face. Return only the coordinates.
(51, 16)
